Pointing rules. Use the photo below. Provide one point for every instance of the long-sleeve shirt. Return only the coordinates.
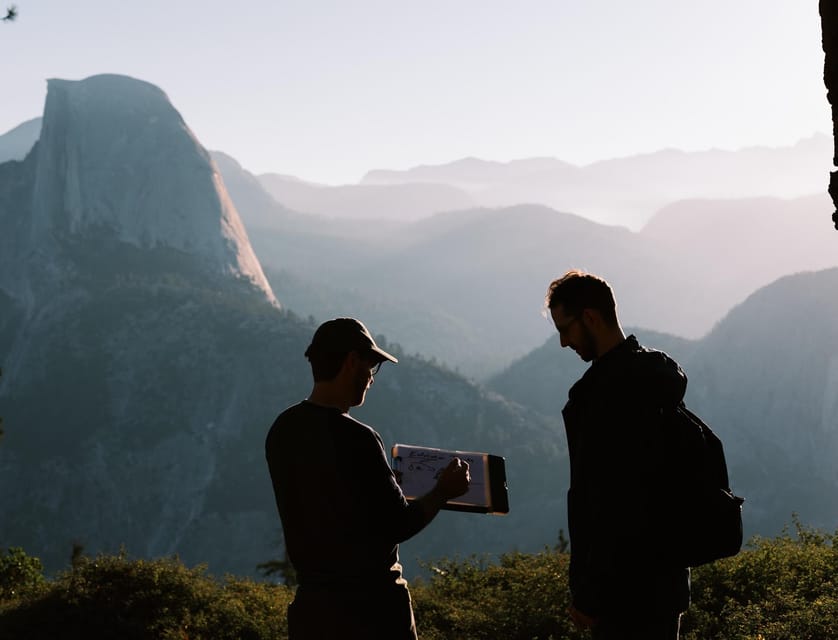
(343, 513)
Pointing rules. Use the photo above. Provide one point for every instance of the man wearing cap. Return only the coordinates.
(343, 513)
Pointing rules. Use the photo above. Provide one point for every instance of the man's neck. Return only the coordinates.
(325, 395)
(609, 341)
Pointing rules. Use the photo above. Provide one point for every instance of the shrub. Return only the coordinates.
(113, 597)
(524, 596)
(20, 575)
(776, 589)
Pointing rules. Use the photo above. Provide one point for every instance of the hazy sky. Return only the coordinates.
(329, 89)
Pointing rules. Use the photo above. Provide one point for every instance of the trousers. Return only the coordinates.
(323, 612)
(665, 628)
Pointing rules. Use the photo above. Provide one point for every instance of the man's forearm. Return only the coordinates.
(431, 504)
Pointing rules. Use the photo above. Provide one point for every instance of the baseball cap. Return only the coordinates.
(343, 335)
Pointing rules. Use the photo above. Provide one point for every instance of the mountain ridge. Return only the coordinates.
(709, 250)
(763, 378)
(18, 141)
(627, 191)
(624, 191)
(140, 380)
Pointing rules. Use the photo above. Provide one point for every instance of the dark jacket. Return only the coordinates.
(615, 514)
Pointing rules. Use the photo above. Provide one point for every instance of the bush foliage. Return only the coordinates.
(780, 588)
(777, 588)
(114, 597)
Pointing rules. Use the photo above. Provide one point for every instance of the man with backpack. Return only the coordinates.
(624, 582)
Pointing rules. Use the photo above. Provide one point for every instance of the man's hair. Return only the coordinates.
(326, 366)
(577, 291)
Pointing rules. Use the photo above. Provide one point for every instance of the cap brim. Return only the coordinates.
(384, 355)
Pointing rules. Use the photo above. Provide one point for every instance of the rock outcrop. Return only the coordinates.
(117, 160)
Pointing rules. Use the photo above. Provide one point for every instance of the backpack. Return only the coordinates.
(705, 517)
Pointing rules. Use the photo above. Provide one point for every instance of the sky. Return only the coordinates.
(327, 90)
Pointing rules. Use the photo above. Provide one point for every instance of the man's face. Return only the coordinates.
(574, 333)
(366, 366)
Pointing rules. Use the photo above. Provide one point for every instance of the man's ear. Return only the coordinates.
(352, 360)
(591, 318)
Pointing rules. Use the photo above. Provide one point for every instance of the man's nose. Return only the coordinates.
(562, 340)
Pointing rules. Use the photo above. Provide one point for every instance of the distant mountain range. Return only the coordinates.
(399, 201)
(16, 143)
(627, 191)
(621, 191)
(144, 358)
(680, 274)
(715, 251)
(152, 305)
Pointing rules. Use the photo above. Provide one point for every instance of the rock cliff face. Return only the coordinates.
(125, 278)
(829, 30)
(115, 158)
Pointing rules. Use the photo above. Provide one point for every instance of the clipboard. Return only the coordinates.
(419, 467)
